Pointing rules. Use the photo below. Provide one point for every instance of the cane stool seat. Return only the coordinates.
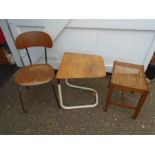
(129, 76)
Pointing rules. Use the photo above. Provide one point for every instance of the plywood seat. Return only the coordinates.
(34, 75)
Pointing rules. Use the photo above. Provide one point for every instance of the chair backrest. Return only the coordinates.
(33, 39)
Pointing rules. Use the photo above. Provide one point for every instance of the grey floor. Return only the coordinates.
(6, 71)
(44, 117)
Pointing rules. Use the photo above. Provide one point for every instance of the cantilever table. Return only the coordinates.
(77, 66)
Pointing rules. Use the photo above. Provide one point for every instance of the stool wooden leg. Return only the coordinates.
(140, 104)
(109, 81)
(108, 98)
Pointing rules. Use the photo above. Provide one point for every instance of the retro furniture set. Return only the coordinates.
(125, 76)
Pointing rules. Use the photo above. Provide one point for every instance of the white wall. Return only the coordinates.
(129, 46)
(132, 41)
(52, 27)
(10, 41)
(125, 24)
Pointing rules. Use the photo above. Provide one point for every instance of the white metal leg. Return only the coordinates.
(77, 87)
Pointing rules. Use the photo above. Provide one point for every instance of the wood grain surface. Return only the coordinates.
(34, 75)
(81, 66)
(32, 39)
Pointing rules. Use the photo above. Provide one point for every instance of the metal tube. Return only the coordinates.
(55, 94)
(28, 56)
(45, 55)
(20, 98)
(21, 59)
(77, 87)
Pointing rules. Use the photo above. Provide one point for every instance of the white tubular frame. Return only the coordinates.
(77, 87)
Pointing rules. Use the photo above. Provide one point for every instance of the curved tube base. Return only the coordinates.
(77, 87)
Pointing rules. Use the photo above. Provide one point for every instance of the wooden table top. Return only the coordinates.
(129, 76)
(75, 65)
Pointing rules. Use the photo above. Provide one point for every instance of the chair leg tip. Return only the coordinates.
(134, 117)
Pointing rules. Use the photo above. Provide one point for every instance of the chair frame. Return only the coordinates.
(21, 45)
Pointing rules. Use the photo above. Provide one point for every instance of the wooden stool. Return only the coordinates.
(128, 77)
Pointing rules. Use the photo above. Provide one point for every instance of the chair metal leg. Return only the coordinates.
(20, 98)
(27, 88)
(55, 94)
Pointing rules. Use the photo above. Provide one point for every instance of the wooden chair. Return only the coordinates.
(34, 74)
